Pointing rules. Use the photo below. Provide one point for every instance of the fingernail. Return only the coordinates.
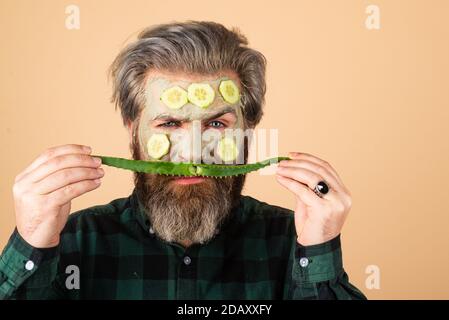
(97, 181)
(87, 149)
(100, 171)
(97, 160)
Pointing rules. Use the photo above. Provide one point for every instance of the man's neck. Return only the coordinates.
(185, 243)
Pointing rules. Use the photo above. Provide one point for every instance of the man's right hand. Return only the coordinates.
(44, 190)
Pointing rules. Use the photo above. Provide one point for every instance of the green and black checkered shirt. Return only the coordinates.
(111, 252)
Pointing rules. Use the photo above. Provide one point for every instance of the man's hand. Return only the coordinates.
(317, 220)
(44, 190)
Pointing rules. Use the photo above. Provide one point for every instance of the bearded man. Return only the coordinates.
(178, 237)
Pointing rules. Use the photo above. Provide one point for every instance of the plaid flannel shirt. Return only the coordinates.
(111, 252)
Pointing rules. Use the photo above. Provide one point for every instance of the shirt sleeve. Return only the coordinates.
(27, 272)
(317, 273)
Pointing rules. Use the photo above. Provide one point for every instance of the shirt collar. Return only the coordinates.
(139, 211)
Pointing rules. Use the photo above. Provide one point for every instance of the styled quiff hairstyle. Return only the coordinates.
(193, 47)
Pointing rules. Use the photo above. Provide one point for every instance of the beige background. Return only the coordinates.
(374, 103)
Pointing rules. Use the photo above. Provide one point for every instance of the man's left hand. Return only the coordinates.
(317, 219)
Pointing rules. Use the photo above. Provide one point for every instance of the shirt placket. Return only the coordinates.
(187, 262)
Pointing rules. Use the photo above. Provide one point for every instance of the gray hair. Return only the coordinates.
(193, 47)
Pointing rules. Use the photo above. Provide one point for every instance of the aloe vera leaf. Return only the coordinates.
(217, 170)
(186, 169)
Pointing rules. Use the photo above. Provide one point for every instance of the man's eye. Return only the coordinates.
(168, 124)
(216, 124)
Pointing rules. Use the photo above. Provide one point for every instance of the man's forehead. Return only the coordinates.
(158, 83)
(190, 77)
(156, 86)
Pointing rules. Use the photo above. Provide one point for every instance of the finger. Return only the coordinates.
(54, 152)
(310, 179)
(69, 192)
(312, 158)
(316, 168)
(62, 162)
(302, 175)
(303, 192)
(65, 177)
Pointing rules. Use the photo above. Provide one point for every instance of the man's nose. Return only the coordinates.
(196, 134)
(194, 158)
(191, 147)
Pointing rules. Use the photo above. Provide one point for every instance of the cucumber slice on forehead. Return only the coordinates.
(229, 91)
(201, 94)
(158, 145)
(174, 97)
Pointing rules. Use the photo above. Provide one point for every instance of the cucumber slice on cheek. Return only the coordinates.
(227, 149)
(158, 145)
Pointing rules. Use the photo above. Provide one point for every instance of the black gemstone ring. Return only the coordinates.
(321, 189)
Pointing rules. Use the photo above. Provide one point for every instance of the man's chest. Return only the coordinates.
(130, 269)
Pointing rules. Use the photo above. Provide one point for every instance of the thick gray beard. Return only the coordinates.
(191, 213)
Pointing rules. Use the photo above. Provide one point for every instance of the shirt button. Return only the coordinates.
(29, 265)
(151, 231)
(303, 262)
(187, 260)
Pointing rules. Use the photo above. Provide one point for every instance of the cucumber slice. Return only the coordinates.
(174, 97)
(227, 149)
(201, 94)
(158, 145)
(229, 91)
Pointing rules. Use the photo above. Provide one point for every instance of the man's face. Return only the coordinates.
(191, 130)
(179, 208)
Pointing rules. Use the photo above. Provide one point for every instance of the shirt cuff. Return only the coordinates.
(20, 260)
(318, 263)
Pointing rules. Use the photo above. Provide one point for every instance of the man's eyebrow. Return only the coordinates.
(165, 116)
(220, 113)
(170, 117)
